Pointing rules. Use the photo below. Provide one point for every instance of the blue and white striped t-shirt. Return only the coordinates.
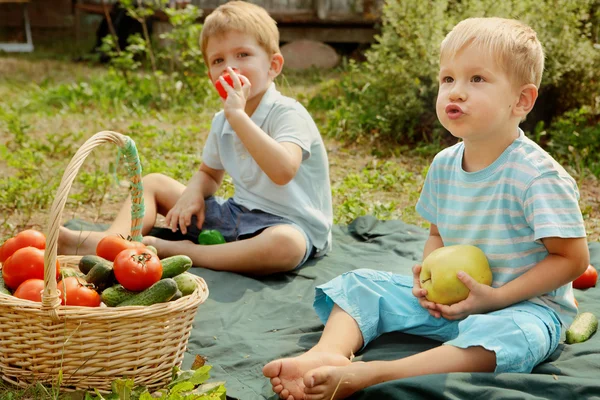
(505, 209)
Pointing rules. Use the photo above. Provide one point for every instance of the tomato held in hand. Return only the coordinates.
(26, 238)
(77, 292)
(109, 246)
(229, 80)
(137, 269)
(31, 289)
(25, 263)
(587, 279)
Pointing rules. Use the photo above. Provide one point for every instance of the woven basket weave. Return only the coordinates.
(80, 348)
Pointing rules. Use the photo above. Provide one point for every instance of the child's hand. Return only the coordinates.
(481, 300)
(236, 94)
(182, 212)
(420, 293)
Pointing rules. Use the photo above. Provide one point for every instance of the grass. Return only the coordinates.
(51, 105)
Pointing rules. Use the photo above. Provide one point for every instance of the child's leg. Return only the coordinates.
(339, 382)
(276, 249)
(160, 194)
(316, 373)
(340, 339)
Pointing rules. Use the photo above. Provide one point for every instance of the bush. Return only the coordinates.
(392, 95)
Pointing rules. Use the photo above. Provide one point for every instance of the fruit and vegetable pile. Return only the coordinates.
(121, 273)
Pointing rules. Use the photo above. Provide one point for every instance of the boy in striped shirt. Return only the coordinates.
(497, 190)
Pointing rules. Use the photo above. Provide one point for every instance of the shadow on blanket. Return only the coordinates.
(247, 322)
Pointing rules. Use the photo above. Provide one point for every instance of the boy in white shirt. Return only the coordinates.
(281, 212)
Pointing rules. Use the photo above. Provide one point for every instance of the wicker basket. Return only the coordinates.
(79, 348)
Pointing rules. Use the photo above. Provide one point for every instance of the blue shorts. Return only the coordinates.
(522, 335)
(236, 222)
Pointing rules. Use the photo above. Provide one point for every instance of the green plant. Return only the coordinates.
(392, 95)
(185, 385)
(574, 139)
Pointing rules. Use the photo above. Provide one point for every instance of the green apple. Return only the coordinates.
(439, 269)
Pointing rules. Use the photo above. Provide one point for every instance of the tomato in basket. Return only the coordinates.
(110, 246)
(31, 289)
(26, 238)
(25, 263)
(137, 269)
(77, 292)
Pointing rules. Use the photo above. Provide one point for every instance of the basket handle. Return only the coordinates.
(50, 298)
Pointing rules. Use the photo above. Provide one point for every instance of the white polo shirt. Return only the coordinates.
(306, 199)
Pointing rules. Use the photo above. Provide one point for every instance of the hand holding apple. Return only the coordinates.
(421, 294)
(439, 272)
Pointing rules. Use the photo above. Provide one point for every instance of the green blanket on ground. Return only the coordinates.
(247, 322)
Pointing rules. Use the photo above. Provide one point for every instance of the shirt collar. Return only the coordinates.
(264, 108)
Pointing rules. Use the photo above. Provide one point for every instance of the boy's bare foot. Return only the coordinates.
(78, 242)
(165, 248)
(287, 373)
(330, 382)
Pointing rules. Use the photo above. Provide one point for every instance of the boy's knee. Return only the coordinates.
(288, 246)
(153, 180)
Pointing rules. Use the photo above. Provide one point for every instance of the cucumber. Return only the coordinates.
(101, 275)
(152, 249)
(584, 326)
(186, 283)
(3, 288)
(67, 272)
(162, 291)
(116, 294)
(87, 263)
(177, 295)
(175, 265)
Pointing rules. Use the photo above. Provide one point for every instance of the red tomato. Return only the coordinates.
(587, 279)
(25, 263)
(137, 269)
(29, 237)
(110, 246)
(229, 80)
(76, 292)
(31, 289)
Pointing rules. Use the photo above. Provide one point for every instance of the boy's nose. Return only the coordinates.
(457, 94)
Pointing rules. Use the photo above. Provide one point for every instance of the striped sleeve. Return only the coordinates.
(552, 209)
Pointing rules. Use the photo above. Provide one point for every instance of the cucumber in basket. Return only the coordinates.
(175, 265)
(186, 283)
(87, 263)
(101, 275)
(582, 328)
(116, 294)
(161, 292)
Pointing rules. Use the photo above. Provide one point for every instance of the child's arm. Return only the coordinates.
(567, 259)
(279, 161)
(204, 183)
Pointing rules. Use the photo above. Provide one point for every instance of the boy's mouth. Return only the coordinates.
(454, 111)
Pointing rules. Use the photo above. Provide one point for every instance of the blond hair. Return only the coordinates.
(514, 44)
(243, 17)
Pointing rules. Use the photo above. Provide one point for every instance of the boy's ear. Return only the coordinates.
(527, 96)
(276, 65)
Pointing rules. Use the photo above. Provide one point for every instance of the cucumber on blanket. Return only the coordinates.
(584, 326)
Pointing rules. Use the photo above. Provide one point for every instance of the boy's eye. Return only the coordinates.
(217, 61)
(242, 54)
(477, 79)
(447, 79)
